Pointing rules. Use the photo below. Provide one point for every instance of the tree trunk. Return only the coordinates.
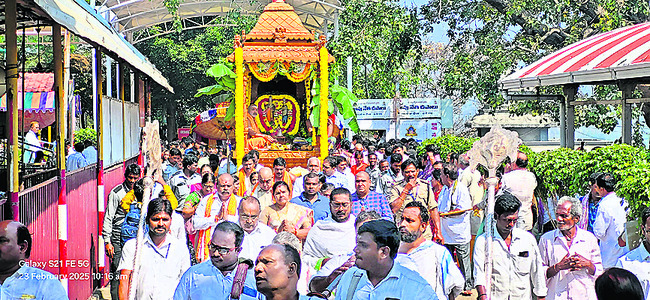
(172, 126)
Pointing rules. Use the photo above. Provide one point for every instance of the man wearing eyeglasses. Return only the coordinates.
(334, 235)
(256, 234)
(262, 190)
(213, 278)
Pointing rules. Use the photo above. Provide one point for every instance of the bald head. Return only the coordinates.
(362, 183)
(266, 178)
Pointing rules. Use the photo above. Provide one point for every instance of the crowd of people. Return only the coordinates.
(374, 220)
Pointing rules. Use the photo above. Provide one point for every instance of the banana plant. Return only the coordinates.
(224, 88)
(341, 98)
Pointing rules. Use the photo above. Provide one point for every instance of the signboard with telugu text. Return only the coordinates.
(411, 108)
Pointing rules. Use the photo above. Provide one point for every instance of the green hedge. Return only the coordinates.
(84, 134)
(562, 171)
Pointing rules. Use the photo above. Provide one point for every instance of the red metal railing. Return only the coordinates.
(38, 210)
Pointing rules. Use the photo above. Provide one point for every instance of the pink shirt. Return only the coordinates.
(570, 284)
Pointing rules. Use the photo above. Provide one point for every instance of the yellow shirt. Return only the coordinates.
(297, 215)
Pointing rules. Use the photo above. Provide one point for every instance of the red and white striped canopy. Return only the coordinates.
(623, 53)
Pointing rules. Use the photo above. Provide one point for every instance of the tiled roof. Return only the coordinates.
(37, 82)
(281, 53)
(276, 15)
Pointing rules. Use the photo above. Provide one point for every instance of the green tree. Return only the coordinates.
(183, 58)
(490, 38)
(384, 40)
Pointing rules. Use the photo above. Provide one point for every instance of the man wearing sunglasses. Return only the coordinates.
(213, 279)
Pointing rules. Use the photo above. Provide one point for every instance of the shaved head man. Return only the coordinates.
(263, 189)
(366, 199)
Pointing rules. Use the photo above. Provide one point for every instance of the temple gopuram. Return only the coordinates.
(276, 63)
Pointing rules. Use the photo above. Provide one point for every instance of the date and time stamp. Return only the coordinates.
(71, 264)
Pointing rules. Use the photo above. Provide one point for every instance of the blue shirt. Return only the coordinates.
(32, 283)
(373, 201)
(321, 206)
(338, 179)
(91, 154)
(168, 171)
(75, 161)
(205, 281)
(400, 283)
(593, 210)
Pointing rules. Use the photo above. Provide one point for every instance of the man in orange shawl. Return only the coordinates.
(244, 174)
(210, 211)
(255, 139)
(280, 173)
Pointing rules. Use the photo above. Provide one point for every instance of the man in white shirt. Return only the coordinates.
(163, 259)
(214, 278)
(455, 202)
(344, 168)
(570, 254)
(313, 165)
(432, 261)
(256, 234)
(334, 235)
(376, 275)
(333, 176)
(470, 178)
(17, 279)
(637, 261)
(521, 183)
(334, 267)
(262, 191)
(212, 210)
(517, 269)
(609, 223)
(111, 231)
(32, 143)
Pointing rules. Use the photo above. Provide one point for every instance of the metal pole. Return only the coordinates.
(627, 90)
(57, 49)
(12, 104)
(66, 86)
(562, 123)
(121, 84)
(570, 92)
(489, 231)
(396, 107)
(95, 92)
